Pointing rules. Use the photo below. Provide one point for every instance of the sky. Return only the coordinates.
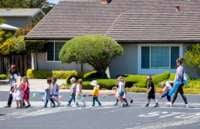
(53, 1)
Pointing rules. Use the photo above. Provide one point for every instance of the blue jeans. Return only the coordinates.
(166, 95)
(73, 98)
(95, 99)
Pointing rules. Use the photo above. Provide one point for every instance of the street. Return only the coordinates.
(136, 116)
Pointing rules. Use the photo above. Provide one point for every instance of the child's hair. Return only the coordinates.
(25, 78)
(49, 80)
(180, 60)
(54, 79)
(80, 80)
(114, 88)
(149, 77)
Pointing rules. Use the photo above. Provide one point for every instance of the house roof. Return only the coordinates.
(19, 12)
(124, 20)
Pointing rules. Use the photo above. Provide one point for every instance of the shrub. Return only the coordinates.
(3, 76)
(104, 84)
(160, 77)
(96, 50)
(136, 80)
(90, 75)
(172, 76)
(39, 74)
(43, 74)
(64, 74)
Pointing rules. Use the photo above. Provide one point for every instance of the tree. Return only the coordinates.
(96, 50)
(13, 45)
(192, 57)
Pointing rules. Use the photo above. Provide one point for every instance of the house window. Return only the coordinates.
(53, 50)
(159, 57)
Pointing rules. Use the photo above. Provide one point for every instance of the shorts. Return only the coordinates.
(151, 96)
(121, 94)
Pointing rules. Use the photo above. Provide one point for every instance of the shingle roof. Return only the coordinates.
(124, 20)
(19, 12)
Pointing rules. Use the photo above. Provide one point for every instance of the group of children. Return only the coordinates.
(20, 92)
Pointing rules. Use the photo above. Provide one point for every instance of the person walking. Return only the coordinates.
(178, 83)
(73, 82)
(13, 74)
(95, 93)
(18, 93)
(121, 91)
(26, 91)
(55, 91)
(79, 97)
(150, 91)
(47, 95)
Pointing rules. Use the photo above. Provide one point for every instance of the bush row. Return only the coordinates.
(3, 76)
(42, 74)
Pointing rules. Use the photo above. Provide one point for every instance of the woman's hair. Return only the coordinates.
(54, 79)
(180, 60)
(49, 80)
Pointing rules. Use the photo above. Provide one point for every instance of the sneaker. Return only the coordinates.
(156, 105)
(170, 105)
(147, 105)
(27, 106)
(186, 106)
(7, 106)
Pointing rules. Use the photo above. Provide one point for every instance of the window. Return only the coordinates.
(159, 57)
(53, 50)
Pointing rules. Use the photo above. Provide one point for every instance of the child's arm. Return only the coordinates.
(149, 89)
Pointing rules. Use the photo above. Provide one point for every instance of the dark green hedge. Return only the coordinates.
(3, 76)
(43, 74)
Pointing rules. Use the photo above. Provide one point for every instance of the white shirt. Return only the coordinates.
(179, 73)
(121, 86)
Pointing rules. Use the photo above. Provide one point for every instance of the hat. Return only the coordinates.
(73, 79)
(94, 83)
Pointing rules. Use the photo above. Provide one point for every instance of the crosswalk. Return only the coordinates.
(38, 110)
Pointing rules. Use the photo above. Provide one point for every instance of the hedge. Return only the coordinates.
(43, 74)
(3, 76)
(104, 83)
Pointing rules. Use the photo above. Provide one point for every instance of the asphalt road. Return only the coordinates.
(136, 116)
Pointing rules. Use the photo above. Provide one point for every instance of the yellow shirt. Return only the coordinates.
(95, 91)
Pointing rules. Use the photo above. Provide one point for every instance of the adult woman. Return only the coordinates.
(13, 74)
(178, 83)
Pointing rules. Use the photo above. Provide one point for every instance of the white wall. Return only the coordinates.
(57, 65)
(127, 63)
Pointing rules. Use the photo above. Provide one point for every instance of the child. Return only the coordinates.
(167, 86)
(79, 93)
(150, 91)
(17, 95)
(47, 94)
(121, 91)
(55, 91)
(115, 92)
(95, 93)
(26, 91)
(73, 91)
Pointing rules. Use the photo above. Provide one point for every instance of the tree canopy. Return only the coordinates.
(192, 56)
(21, 3)
(96, 50)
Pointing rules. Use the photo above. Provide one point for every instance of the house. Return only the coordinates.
(153, 33)
(19, 17)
